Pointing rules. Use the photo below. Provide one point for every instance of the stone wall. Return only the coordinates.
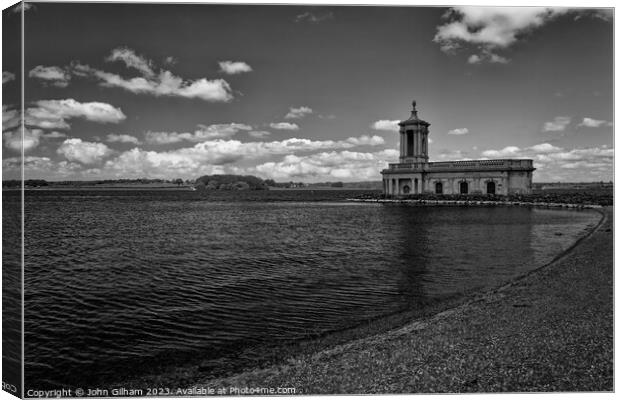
(478, 182)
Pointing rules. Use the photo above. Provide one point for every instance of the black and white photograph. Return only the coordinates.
(244, 199)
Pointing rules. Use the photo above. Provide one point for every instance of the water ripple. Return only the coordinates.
(135, 282)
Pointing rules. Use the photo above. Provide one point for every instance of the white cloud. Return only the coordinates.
(13, 139)
(557, 163)
(490, 28)
(557, 125)
(114, 138)
(90, 160)
(365, 140)
(342, 165)
(132, 60)
(162, 83)
(83, 152)
(52, 114)
(594, 123)
(215, 131)
(284, 126)
(55, 135)
(474, 59)
(26, 6)
(234, 67)
(55, 76)
(213, 155)
(458, 131)
(170, 60)
(386, 125)
(259, 134)
(497, 59)
(314, 18)
(296, 113)
(487, 56)
(506, 152)
(7, 76)
(10, 118)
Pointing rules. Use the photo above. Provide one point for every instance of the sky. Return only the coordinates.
(303, 93)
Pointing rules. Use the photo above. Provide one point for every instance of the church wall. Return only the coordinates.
(506, 182)
(520, 182)
(476, 181)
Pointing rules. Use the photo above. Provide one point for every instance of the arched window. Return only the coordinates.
(406, 189)
(464, 187)
(438, 188)
(491, 187)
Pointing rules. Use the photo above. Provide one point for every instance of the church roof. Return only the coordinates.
(413, 119)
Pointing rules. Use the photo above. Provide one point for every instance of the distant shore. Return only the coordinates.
(551, 330)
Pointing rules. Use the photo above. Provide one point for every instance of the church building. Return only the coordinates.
(414, 174)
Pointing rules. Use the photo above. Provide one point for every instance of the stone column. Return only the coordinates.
(418, 145)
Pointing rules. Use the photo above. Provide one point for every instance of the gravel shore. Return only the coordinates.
(551, 330)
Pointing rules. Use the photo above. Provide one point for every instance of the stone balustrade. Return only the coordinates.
(506, 164)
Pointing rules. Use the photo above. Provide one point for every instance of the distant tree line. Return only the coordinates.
(42, 182)
(27, 183)
(230, 182)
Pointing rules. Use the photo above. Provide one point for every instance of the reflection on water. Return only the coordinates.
(137, 281)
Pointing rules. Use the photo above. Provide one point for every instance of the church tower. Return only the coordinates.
(413, 138)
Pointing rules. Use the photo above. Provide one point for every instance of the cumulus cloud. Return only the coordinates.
(204, 156)
(259, 134)
(52, 114)
(287, 126)
(7, 76)
(54, 135)
(10, 118)
(204, 132)
(13, 139)
(366, 140)
(458, 131)
(132, 60)
(342, 165)
(506, 152)
(234, 67)
(314, 18)
(557, 125)
(170, 60)
(594, 123)
(84, 152)
(386, 125)
(115, 138)
(296, 113)
(474, 59)
(490, 28)
(54, 76)
(161, 83)
(557, 163)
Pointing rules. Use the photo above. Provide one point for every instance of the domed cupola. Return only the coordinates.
(413, 138)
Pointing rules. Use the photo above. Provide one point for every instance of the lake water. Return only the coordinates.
(125, 283)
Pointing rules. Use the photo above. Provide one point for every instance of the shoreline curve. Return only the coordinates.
(380, 364)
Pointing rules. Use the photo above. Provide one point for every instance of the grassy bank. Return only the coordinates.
(549, 331)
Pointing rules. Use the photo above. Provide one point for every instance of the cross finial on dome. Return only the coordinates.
(413, 103)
